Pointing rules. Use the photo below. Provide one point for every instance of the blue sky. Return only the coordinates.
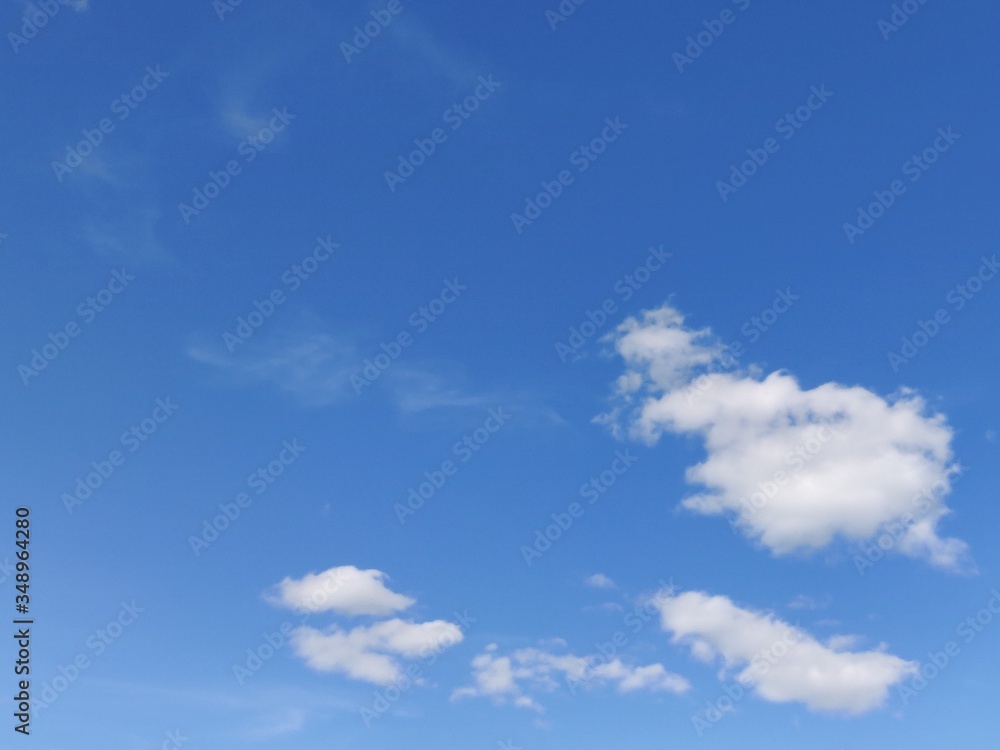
(573, 267)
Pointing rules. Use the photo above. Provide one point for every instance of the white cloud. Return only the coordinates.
(780, 662)
(804, 601)
(373, 653)
(509, 679)
(797, 468)
(600, 581)
(345, 590)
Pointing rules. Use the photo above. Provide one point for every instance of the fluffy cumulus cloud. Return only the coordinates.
(372, 652)
(781, 663)
(344, 589)
(513, 678)
(792, 468)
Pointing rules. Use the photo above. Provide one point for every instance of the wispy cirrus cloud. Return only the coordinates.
(418, 389)
(310, 366)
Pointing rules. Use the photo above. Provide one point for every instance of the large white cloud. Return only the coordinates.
(796, 468)
(344, 589)
(373, 653)
(512, 678)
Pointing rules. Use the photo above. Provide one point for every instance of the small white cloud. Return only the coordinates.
(345, 590)
(373, 653)
(804, 601)
(798, 468)
(780, 662)
(600, 581)
(510, 678)
(843, 642)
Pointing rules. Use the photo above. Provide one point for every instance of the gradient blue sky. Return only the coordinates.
(323, 176)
